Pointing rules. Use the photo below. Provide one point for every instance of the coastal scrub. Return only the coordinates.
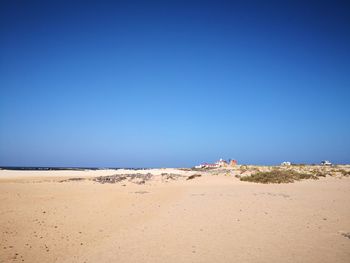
(277, 177)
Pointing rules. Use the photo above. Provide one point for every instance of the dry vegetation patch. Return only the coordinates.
(277, 177)
(134, 178)
(193, 176)
(344, 172)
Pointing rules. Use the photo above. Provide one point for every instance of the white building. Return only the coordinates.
(286, 163)
(221, 163)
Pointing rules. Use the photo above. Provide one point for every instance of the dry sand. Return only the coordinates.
(213, 218)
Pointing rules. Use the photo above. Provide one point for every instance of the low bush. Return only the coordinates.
(277, 177)
(344, 172)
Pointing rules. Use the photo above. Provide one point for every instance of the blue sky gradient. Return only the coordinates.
(173, 83)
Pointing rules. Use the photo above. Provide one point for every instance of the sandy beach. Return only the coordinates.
(174, 131)
(213, 218)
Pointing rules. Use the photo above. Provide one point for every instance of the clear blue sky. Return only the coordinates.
(173, 83)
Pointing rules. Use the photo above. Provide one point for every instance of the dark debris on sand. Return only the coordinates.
(73, 179)
(193, 176)
(347, 235)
